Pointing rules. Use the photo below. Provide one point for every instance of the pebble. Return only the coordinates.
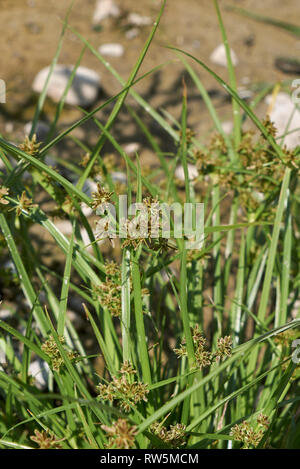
(105, 9)
(10, 266)
(89, 187)
(112, 50)
(39, 369)
(5, 314)
(281, 114)
(83, 91)
(132, 33)
(227, 127)
(245, 93)
(118, 176)
(218, 56)
(41, 130)
(132, 148)
(9, 127)
(134, 19)
(192, 171)
(296, 309)
(64, 226)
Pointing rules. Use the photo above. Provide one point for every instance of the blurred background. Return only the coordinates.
(30, 31)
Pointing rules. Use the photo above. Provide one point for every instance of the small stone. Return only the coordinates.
(244, 93)
(296, 309)
(9, 265)
(88, 188)
(105, 9)
(218, 56)
(64, 226)
(5, 314)
(192, 171)
(112, 50)
(134, 19)
(284, 113)
(132, 33)
(9, 127)
(41, 130)
(118, 176)
(132, 148)
(39, 369)
(83, 91)
(86, 239)
(227, 127)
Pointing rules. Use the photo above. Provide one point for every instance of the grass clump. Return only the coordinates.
(229, 309)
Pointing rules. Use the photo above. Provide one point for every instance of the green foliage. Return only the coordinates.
(168, 377)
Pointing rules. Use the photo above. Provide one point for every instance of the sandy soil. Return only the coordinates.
(30, 31)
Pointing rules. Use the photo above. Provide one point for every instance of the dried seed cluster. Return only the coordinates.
(109, 292)
(146, 228)
(30, 146)
(101, 196)
(124, 389)
(45, 440)
(256, 175)
(51, 349)
(121, 434)
(23, 203)
(174, 436)
(248, 435)
(203, 357)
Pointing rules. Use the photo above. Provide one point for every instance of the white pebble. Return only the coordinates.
(112, 50)
(134, 19)
(132, 148)
(83, 91)
(39, 369)
(132, 33)
(284, 113)
(105, 9)
(227, 127)
(192, 172)
(218, 56)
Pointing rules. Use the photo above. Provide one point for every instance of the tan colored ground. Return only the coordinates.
(30, 31)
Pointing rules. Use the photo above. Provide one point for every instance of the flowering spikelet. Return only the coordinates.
(3, 191)
(124, 389)
(203, 357)
(247, 434)
(224, 346)
(109, 292)
(101, 196)
(30, 146)
(174, 436)
(51, 349)
(24, 203)
(121, 434)
(44, 440)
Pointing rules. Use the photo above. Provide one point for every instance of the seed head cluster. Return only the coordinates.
(248, 434)
(174, 436)
(204, 357)
(51, 349)
(124, 389)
